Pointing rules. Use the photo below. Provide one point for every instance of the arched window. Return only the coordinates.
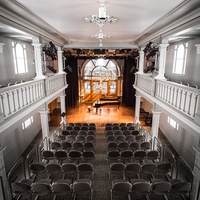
(100, 69)
(180, 56)
(100, 77)
(20, 60)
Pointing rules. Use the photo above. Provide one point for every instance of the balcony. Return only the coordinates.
(182, 98)
(17, 97)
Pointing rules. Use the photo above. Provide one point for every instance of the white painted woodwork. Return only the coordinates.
(17, 97)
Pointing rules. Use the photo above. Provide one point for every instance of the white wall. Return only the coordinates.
(7, 64)
(192, 72)
(182, 139)
(17, 140)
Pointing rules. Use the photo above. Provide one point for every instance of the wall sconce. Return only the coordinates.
(1, 47)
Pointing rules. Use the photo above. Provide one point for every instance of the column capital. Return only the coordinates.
(43, 112)
(37, 45)
(156, 112)
(163, 45)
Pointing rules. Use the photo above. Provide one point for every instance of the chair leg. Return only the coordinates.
(111, 194)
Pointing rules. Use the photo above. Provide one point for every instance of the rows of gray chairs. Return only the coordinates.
(68, 180)
(136, 170)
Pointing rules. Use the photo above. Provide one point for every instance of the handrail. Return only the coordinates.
(158, 142)
(19, 161)
(180, 160)
(41, 144)
(34, 149)
(174, 160)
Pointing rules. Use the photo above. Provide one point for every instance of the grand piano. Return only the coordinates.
(106, 101)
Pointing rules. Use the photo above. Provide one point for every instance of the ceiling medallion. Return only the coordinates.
(101, 19)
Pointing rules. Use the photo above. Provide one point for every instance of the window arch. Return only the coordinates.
(20, 59)
(100, 69)
(180, 57)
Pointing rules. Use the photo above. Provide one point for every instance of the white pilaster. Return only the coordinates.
(141, 63)
(162, 61)
(198, 48)
(1, 47)
(60, 62)
(45, 126)
(38, 60)
(155, 123)
(137, 109)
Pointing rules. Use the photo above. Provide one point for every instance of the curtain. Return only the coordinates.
(72, 81)
(128, 96)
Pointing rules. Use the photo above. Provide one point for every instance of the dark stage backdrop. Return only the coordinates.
(72, 81)
(128, 96)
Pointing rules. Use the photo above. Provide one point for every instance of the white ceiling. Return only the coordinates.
(64, 21)
(133, 17)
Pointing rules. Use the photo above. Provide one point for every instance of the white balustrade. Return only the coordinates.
(53, 83)
(146, 83)
(183, 98)
(17, 97)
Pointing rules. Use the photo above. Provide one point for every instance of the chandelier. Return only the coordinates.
(100, 35)
(101, 19)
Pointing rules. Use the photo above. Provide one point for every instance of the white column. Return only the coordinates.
(38, 60)
(137, 109)
(63, 109)
(5, 192)
(45, 126)
(141, 62)
(60, 62)
(162, 61)
(155, 123)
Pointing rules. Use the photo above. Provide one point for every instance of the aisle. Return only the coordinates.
(101, 183)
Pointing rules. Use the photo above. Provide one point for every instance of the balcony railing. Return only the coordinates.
(17, 97)
(183, 98)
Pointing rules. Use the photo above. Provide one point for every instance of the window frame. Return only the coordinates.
(19, 56)
(178, 59)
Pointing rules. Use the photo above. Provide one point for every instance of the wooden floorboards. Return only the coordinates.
(106, 114)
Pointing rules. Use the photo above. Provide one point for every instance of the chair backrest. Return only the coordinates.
(161, 188)
(181, 188)
(20, 188)
(122, 187)
(41, 189)
(122, 146)
(145, 145)
(141, 188)
(69, 170)
(113, 155)
(81, 188)
(55, 145)
(164, 167)
(66, 145)
(112, 146)
(61, 188)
